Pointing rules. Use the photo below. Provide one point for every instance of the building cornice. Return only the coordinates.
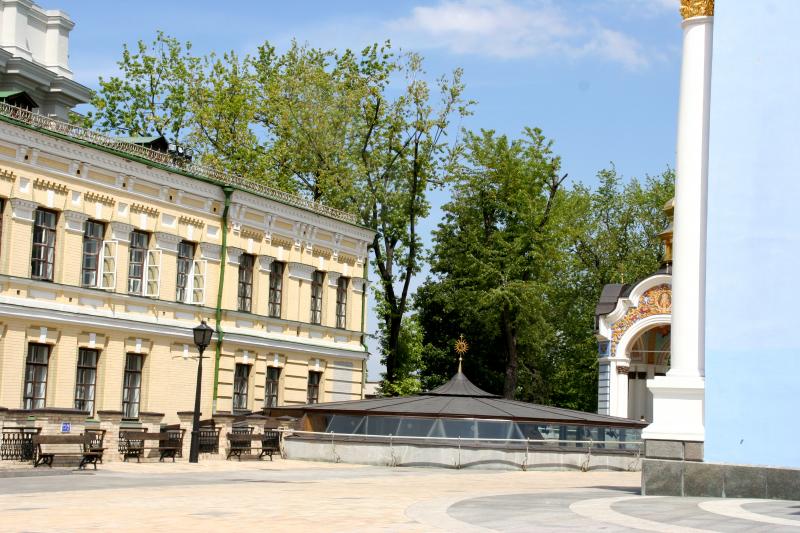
(131, 151)
(146, 326)
(99, 158)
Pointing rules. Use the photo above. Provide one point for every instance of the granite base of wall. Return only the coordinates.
(662, 477)
(439, 456)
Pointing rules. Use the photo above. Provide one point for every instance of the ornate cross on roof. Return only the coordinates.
(461, 348)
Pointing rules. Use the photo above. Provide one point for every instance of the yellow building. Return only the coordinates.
(111, 251)
(110, 255)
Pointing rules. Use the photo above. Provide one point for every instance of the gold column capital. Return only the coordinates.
(697, 8)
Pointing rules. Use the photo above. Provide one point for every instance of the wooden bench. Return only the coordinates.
(209, 436)
(243, 442)
(82, 446)
(134, 444)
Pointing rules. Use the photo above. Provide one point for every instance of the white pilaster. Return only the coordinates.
(678, 397)
(621, 376)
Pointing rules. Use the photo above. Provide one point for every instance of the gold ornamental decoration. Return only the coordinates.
(461, 345)
(655, 301)
(461, 348)
(697, 8)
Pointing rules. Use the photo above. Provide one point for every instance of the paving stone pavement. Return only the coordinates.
(303, 496)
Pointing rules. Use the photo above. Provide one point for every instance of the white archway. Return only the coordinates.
(634, 399)
(639, 327)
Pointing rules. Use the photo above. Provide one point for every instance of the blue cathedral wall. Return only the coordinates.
(753, 254)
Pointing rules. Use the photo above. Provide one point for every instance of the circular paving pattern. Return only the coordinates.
(614, 510)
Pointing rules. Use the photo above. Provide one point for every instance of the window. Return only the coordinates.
(313, 386)
(275, 288)
(240, 381)
(136, 261)
(341, 303)
(36, 376)
(185, 258)
(85, 382)
(316, 297)
(92, 246)
(132, 385)
(271, 389)
(246, 282)
(44, 245)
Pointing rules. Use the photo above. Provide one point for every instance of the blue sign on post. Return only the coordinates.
(66, 427)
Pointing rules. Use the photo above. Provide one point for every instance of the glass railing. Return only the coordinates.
(502, 433)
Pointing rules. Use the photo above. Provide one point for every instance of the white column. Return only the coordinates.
(678, 397)
(622, 387)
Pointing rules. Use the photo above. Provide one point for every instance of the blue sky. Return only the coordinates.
(600, 77)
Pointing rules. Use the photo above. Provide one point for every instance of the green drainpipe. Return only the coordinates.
(218, 315)
(363, 323)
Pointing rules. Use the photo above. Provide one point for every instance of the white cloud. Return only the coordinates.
(618, 47)
(502, 29)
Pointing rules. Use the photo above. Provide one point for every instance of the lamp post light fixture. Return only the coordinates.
(202, 338)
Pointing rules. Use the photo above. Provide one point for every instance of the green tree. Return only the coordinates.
(309, 105)
(364, 132)
(410, 358)
(403, 153)
(224, 120)
(494, 246)
(608, 234)
(611, 236)
(151, 96)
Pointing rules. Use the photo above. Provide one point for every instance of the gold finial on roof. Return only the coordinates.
(697, 8)
(461, 348)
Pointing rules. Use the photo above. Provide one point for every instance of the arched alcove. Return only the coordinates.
(648, 354)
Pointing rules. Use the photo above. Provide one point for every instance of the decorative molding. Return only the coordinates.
(167, 241)
(141, 208)
(655, 301)
(210, 252)
(7, 174)
(74, 221)
(281, 241)
(347, 259)
(28, 140)
(120, 231)
(271, 208)
(265, 263)
(234, 255)
(697, 8)
(301, 272)
(359, 284)
(39, 183)
(191, 221)
(91, 196)
(322, 251)
(23, 209)
(333, 278)
(248, 233)
(142, 326)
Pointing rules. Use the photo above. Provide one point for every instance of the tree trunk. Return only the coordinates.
(510, 337)
(393, 324)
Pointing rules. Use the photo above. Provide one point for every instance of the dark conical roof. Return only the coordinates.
(458, 398)
(459, 385)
